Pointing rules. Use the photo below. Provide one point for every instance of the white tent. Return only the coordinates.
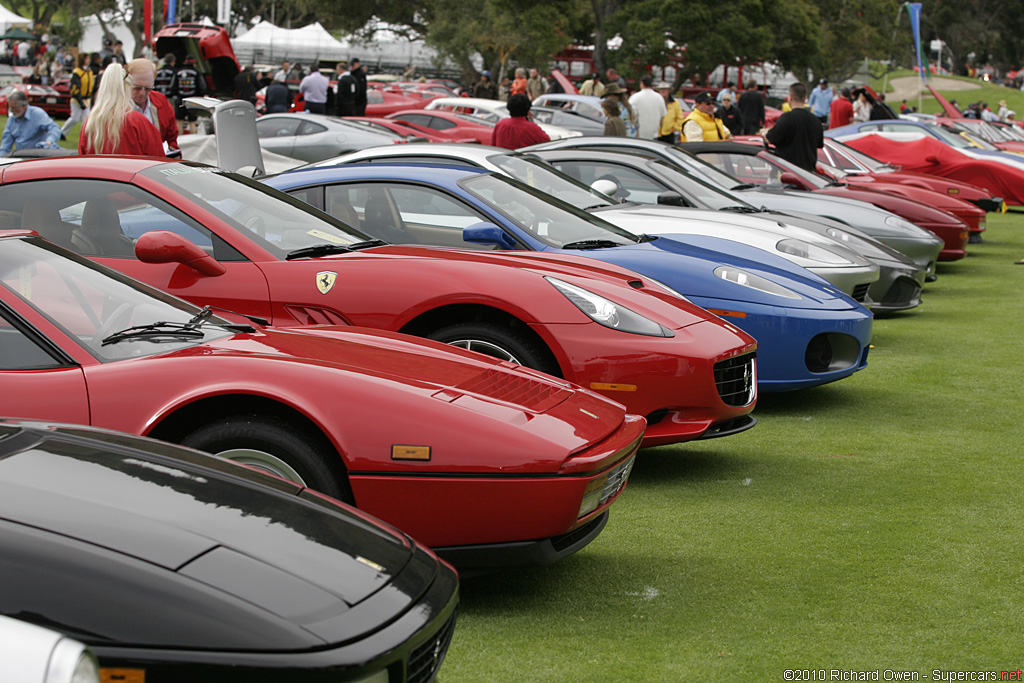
(269, 44)
(266, 43)
(9, 19)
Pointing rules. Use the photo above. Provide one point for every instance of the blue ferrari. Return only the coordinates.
(808, 332)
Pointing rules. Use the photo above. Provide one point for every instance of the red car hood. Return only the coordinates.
(954, 188)
(955, 204)
(914, 211)
(428, 381)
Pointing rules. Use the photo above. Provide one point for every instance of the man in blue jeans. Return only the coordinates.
(820, 101)
(27, 126)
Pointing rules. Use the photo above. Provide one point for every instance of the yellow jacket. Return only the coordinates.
(712, 128)
(673, 120)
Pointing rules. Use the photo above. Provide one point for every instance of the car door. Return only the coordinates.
(39, 381)
(313, 142)
(104, 219)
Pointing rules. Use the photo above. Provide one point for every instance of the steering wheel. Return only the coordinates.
(117, 320)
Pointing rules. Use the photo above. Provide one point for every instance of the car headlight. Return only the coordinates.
(903, 224)
(839, 235)
(745, 279)
(811, 252)
(609, 313)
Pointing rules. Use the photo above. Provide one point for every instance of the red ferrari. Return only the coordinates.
(490, 463)
(217, 238)
(410, 130)
(450, 125)
(54, 103)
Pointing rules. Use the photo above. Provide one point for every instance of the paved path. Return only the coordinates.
(907, 87)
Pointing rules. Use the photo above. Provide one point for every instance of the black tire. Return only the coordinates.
(498, 341)
(254, 437)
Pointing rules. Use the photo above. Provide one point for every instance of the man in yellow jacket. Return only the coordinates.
(701, 124)
(672, 123)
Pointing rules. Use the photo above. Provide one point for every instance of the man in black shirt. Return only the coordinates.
(797, 135)
(359, 103)
(751, 106)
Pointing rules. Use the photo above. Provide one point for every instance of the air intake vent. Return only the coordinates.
(516, 389)
(736, 379)
(426, 659)
(860, 292)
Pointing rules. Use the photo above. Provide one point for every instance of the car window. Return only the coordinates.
(404, 214)
(418, 119)
(310, 128)
(277, 127)
(90, 303)
(18, 351)
(439, 123)
(100, 217)
(633, 185)
(746, 169)
(374, 97)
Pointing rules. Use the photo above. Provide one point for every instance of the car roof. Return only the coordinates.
(439, 174)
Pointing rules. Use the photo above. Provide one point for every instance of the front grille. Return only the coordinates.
(735, 379)
(860, 292)
(426, 659)
(904, 290)
(616, 480)
(516, 389)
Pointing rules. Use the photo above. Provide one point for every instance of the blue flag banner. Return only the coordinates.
(172, 11)
(914, 10)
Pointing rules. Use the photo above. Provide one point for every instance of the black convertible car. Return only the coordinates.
(176, 566)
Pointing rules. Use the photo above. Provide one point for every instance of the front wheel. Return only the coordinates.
(498, 341)
(275, 446)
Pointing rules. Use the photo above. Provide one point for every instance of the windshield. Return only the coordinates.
(550, 220)
(543, 177)
(278, 222)
(951, 139)
(869, 163)
(700, 192)
(709, 172)
(90, 302)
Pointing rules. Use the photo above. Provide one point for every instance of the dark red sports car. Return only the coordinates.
(448, 124)
(217, 238)
(488, 462)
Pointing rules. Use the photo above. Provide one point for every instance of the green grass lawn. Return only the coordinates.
(988, 92)
(870, 524)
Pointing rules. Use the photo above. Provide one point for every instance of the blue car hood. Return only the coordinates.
(687, 264)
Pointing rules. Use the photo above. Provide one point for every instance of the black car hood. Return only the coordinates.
(297, 562)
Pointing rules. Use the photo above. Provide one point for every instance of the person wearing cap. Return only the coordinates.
(592, 86)
(730, 115)
(672, 122)
(797, 135)
(517, 130)
(650, 109)
(820, 101)
(485, 87)
(701, 123)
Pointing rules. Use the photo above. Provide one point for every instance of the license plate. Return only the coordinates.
(51, 100)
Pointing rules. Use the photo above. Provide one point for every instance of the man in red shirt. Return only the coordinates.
(152, 104)
(518, 130)
(841, 110)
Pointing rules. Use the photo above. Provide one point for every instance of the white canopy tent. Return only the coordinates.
(266, 43)
(9, 19)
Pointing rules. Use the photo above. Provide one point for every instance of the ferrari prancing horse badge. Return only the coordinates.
(325, 280)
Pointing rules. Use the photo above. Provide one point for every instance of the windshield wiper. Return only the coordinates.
(160, 329)
(367, 244)
(744, 186)
(740, 209)
(318, 250)
(646, 238)
(591, 244)
(164, 329)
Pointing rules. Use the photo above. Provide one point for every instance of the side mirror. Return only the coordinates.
(607, 187)
(672, 199)
(488, 233)
(790, 178)
(163, 246)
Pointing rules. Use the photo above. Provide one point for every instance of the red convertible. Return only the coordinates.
(490, 463)
(214, 237)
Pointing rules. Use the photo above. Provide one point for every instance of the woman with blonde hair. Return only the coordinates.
(113, 126)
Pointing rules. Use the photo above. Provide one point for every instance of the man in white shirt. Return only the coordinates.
(650, 109)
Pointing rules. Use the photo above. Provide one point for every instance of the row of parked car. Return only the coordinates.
(467, 343)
